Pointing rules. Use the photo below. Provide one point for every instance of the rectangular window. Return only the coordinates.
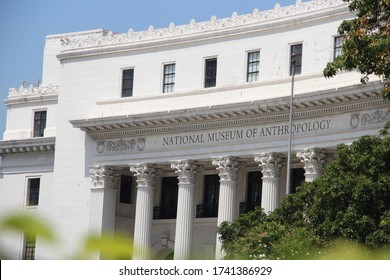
(29, 247)
(33, 191)
(253, 66)
(169, 193)
(127, 82)
(125, 191)
(296, 55)
(39, 123)
(338, 46)
(169, 77)
(211, 195)
(297, 178)
(210, 77)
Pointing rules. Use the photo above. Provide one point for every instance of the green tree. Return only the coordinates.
(367, 42)
(351, 201)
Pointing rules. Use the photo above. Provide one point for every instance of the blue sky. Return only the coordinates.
(25, 23)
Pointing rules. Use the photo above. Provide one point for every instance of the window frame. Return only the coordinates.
(213, 79)
(29, 246)
(126, 192)
(168, 85)
(337, 49)
(39, 124)
(299, 55)
(123, 80)
(168, 207)
(32, 199)
(248, 63)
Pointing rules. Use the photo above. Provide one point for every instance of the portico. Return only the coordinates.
(204, 189)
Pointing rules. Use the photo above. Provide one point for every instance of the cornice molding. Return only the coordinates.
(105, 42)
(31, 145)
(31, 94)
(317, 104)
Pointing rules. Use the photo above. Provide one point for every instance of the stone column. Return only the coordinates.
(314, 160)
(187, 171)
(228, 171)
(103, 202)
(271, 164)
(145, 174)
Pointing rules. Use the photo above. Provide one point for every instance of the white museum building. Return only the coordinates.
(165, 133)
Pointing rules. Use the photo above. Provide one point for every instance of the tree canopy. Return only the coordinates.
(366, 46)
(351, 201)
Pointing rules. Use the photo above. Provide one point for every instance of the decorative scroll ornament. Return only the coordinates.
(109, 38)
(271, 164)
(228, 167)
(103, 176)
(368, 119)
(145, 174)
(314, 160)
(187, 171)
(121, 145)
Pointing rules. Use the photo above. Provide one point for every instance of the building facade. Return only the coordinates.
(164, 134)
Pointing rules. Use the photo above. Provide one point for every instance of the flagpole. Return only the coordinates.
(288, 181)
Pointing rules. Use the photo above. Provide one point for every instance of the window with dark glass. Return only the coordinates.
(33, 191)
(254, 190)
(125, 190)
(39, 123)
(338, 46)
(29, 247)
(169, 192)
(211, 195)
(296, 55)
(127, 82)
(210, 79)
(297, 178)
(169, 77)
(253, 66)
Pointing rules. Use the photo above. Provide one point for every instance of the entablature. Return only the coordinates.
(32, 145)
(323, 103)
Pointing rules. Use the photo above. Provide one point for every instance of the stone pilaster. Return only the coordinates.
(187, 171)
(145, 174)
(103, 201)
(228, 171)
(314, 160)
(271, 164)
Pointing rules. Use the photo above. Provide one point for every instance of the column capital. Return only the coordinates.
(103, 175)
(228, 167)
(186, 170)
(313, 159)
(271, 164)
(145, 174)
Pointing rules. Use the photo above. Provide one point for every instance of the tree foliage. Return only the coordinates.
(351, 201)
(367, 42)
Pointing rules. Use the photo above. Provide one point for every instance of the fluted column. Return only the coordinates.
(145, 174)
(314, 160)
(187, 171)
(228, 171)
(271, 164)
(103, 201)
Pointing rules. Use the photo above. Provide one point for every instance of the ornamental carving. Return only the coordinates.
(145, 174)
(31, 90)
(313, 159)
(228, 167)
(186, 170)
(103, 175)
(271, 164)
(368, 119)
(108, 38)
(121, 145)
